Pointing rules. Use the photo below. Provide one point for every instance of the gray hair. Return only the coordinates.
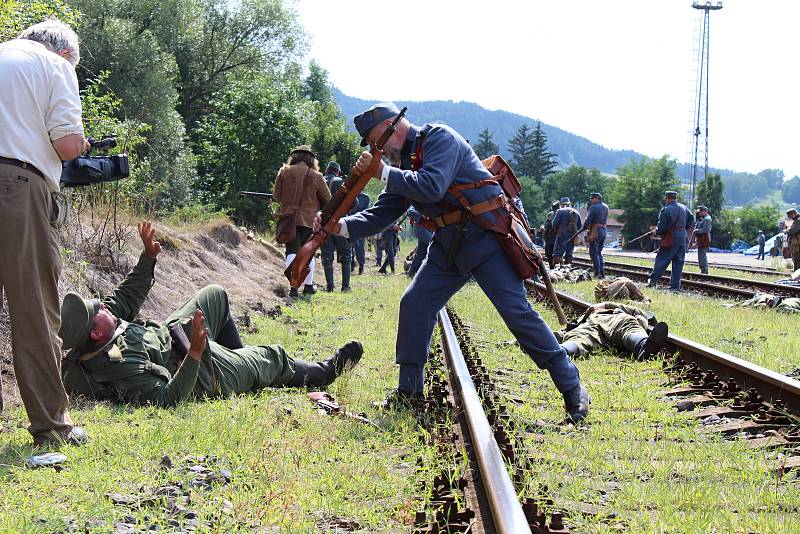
(56, 36)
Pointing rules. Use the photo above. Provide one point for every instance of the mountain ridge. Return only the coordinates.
(469, 119)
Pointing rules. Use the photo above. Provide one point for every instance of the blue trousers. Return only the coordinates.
(359, 252)
(664, 257)
(424, 237)
(433, 286)
(378, 251)
(596, 252)
(390, 246)
(563, 247)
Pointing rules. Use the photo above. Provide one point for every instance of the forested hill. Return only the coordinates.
(469, 119)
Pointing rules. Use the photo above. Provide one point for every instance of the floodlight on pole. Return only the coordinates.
(700, 101)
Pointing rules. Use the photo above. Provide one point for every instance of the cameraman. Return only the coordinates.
(40, 125)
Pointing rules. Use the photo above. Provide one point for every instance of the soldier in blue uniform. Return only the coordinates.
(674, 222)
(595, 224)
(429, 164)
(423, 235)
(566, 222)
(336, 244)
(358, 251)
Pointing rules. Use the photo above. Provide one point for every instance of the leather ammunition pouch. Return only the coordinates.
(703, 241)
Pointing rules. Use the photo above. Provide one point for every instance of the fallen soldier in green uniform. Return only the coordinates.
(765, 300)
(610, 325)
(619, 288)
(112, 356)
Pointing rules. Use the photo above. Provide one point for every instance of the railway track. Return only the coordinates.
(458, 383)
(757, 404)
(711, 284)
(769, 271)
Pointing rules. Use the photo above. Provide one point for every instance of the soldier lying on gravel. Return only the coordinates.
(111, 356)
(610, 325)
(765, 300)
(619, 288)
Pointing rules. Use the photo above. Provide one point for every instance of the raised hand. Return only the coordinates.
(199, 336)
(152, 248)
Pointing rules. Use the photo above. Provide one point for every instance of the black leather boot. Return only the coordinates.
(321, 374)
(576, 402)
(643, 347)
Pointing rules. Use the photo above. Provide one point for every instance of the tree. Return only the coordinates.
(242, 144)
(710, 193)
(791, 190)
(533, 201)
(529, 153)
(639, 190)
(774, 178)
(575, 182)
(327, 132)
(749, 220)
(541, 159)
(485, 146)
(16, 15)
(521, 148)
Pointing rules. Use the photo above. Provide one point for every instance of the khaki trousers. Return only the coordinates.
(29, 268)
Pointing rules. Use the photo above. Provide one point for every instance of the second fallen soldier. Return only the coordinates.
(435, 170)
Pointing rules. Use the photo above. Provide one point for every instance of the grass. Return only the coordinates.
(293, 469)
(639, 465)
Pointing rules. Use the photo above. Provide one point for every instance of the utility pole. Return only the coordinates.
(700, 114)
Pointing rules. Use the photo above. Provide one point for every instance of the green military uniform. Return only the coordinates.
(607, 325)
(139, 365)
(785, 305)
(619, 288)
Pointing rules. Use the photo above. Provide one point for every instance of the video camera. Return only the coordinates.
(88, 170)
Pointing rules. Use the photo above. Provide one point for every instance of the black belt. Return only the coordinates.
(21, 164)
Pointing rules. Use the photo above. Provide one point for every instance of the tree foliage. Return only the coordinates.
(791, 190)
(485, 147)
(530, 156)
(16, 15)
(639, 190)
(710, 193)
(576, 182)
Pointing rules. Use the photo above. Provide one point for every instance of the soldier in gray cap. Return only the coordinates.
(550, 233)
(566, 222)
(702, 237)
(596, 220)
(112, 355)
(674, 222)
(434, 169)
(793, 235)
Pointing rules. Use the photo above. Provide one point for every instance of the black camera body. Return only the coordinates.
(88, 170)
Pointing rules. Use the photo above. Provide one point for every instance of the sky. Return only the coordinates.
(619, 72)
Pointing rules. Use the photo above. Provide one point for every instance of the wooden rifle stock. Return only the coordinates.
(551, 292)
(337, 207)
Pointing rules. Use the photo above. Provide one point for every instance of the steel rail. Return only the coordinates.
(724, 266)
(506, 509)
(769, 384)
(742, 283)
(703, 287)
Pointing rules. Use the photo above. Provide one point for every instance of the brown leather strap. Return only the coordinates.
(458, 215)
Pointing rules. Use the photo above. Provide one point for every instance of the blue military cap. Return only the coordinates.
(671, 194)
(565, 200)
(596, 195)
(372, 117)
